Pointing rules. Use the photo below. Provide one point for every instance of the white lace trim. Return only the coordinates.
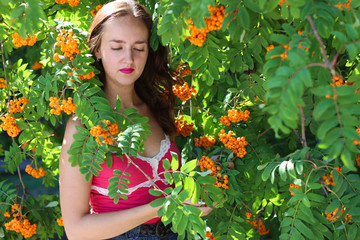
(153, 162)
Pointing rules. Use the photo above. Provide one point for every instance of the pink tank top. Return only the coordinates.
(138, 191)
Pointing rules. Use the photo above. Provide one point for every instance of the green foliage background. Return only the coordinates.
(296, 133)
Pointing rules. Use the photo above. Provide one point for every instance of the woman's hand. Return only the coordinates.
(204, 209)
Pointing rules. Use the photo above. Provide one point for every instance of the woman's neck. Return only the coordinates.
(127, 94)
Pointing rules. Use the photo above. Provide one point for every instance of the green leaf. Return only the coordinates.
(347, 159)
(154, 192)
(166, 164)
(174, 161)
(109, 160)
(303, 229)
(282, 170)
(189, 166)
(157, 202)
(269, 168)
(243, 17)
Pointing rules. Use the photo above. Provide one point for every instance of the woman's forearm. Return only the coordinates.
(107, 225)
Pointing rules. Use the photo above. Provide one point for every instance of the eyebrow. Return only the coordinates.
(122, 41)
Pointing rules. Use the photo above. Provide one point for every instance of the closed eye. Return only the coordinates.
(139, 50)
(116, 49)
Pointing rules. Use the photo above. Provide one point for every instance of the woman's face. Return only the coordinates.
(123, 50)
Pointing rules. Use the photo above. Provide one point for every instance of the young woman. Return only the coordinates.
(131, 70)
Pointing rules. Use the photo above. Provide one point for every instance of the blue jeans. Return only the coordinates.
(135, 234)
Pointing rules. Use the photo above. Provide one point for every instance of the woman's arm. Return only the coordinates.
(74, 199)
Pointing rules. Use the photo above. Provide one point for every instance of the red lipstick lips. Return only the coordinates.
(127, 70)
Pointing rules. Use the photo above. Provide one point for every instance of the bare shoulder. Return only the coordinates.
(72, 123)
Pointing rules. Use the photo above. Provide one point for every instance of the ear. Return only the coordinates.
(98, 53)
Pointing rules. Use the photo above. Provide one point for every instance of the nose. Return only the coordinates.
(128, 56)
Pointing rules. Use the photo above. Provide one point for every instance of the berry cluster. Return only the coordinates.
(337, 80)
(27, 143)
(283, 55)
(198, 36)
(237, 145)
(20, 223)
(204, 141)
(207, 164)
(293, 186)
(90, 75)
(183, 91)
(67, 44)
(10, 126)
(37, 65)
(72, 3)
(282, 2)
(182, 70)
(357, 142)
(67, 106)
(19, 42)
(268, 48)
(36, 173)
(2, 83)
(257, 223)
(332, 215)
(60, 221)
(18, 105)
(341, 6)
(210, 235)
(234, 116)
(330, 180)
(98, 131)
(94, 12)
(182, 127)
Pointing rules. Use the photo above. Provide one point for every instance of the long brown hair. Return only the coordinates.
(154, 86)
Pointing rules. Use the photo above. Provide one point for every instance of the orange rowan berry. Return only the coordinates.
(67, 44)
(210, 235)
(293, 186)
(183, 91)
(236, 145)
(358, 160)
(33, 172)
(72, 3)
(2, 83)
(19, 42)
(332, 215)
(281, 2)
(87, 76)
(98, 131)
(6, 214)
(60, 221)
(22, 226)
(204, 141)
(10, 126)
(94, 12)
(18, 105)
(248, 214)
(198, 36)
(27, 143)
(260, 225)
(67, 106)
(337, 80)
(235, 115)
(225, 120)
(37, 65)
(340, 6)
(330, 180)
(268, 48)
(284, 54)
(182, 127)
